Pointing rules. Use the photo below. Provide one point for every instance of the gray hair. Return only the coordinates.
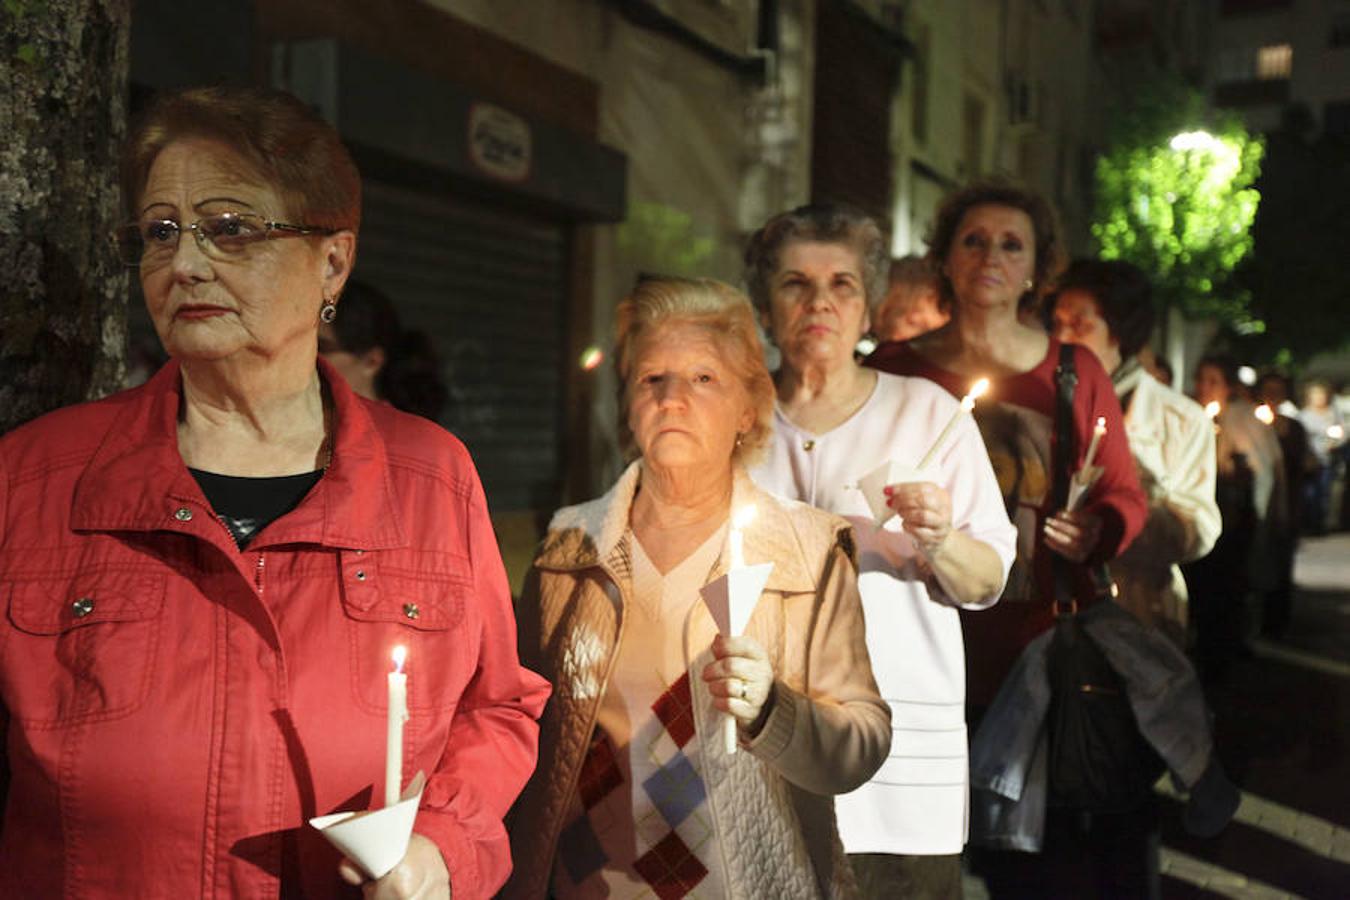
(824, 223)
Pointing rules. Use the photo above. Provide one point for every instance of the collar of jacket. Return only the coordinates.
(1127, 376)
(137, 480)
(589, 534)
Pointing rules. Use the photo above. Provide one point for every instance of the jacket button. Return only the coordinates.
(411, 611)
(809, 446)
(360, 574)
(82, 607)
(183, 514)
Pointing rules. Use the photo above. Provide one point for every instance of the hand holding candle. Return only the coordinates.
(967, 404)
(1083, 480)
(398, 714)
(731, 598)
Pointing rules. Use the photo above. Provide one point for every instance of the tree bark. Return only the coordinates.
(63, 294)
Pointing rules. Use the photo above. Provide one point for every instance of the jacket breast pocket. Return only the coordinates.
(421, 605)
(82, 648)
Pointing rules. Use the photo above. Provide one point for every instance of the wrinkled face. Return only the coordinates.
(1210, 385)
(256, 305)
(907, 312)
(818, 306)
(1078, 320)
(685, 404)
(992, 257)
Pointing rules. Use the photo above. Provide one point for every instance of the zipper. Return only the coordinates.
(257, 569)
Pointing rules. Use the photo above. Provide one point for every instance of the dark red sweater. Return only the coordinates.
(1016, 419)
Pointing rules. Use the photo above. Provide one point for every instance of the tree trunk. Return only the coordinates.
(63, 294)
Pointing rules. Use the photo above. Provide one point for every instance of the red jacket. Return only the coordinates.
(175, 709)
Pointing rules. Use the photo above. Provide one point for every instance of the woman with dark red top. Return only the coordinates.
(995, 250)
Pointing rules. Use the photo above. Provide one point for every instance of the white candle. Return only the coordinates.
(1098, 430)
(967, 404)
(398, 714)
(740, 520)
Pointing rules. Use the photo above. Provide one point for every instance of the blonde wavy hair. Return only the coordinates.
(725, 313)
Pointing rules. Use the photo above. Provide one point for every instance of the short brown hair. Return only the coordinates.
(728, 318)
(281, 141)
(824, 223)
(1050, 256)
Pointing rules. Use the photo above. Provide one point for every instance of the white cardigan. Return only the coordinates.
(916, 803)
(1172, 441)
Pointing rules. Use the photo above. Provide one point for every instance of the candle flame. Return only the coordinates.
(1212, 408)
(1264, 413)
(743, 516)
(977, 391)
(1335, 432)
(399, 655)
(1101, 424)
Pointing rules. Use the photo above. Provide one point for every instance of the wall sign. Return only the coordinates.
(499, 143)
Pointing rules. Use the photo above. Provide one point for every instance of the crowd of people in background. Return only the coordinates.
(1007, 553)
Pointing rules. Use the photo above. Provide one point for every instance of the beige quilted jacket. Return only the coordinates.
(828, 732)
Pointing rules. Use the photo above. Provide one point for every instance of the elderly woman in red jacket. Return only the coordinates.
(204, 577)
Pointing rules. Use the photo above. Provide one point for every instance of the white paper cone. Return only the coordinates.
(378, 839)
(731, 598)
(873, 485)
(1079, 485)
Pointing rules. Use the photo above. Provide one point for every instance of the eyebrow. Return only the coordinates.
(200, 203)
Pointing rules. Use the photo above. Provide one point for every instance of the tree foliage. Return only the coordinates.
(1174, 196)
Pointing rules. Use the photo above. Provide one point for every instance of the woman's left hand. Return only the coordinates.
(420, 875)
(739, 678)
(1073, 535)
(925, 511)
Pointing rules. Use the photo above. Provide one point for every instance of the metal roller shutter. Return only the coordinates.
(489, 286)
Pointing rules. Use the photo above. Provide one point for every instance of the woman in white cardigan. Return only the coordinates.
(1107, 307)
(814, 274)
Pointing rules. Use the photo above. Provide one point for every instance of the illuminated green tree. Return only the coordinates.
(1174, 196)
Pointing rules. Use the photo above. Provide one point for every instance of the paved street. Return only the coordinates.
(1283, 727)
(1283, 730)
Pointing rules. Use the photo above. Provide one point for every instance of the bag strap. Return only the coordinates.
(1062, 454)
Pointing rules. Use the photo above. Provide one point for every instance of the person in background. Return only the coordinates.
(996, 248)
(912, 304)
(1273, 390)
(812, 274)
(1107, 306)
(204, 586)
(636, 792)
(1253, 501)
(1326, 436)
(379, 358)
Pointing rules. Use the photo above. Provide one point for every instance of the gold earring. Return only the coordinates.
(1028, 284)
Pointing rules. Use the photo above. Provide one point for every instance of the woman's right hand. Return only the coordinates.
(1073, 535)
(420, 875)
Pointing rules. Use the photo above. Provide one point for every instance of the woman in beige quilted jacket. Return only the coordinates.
(644, 785)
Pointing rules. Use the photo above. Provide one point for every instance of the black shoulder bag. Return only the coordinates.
(1097, 759)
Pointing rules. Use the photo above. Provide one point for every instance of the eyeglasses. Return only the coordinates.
(224, 236)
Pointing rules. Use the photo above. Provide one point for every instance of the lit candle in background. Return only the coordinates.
(1335, 432)
(1264, 413)
(967, 404)
(1097, 431)
(398, 714)
(1212, 409)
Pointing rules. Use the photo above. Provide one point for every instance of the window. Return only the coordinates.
(1274, 62)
